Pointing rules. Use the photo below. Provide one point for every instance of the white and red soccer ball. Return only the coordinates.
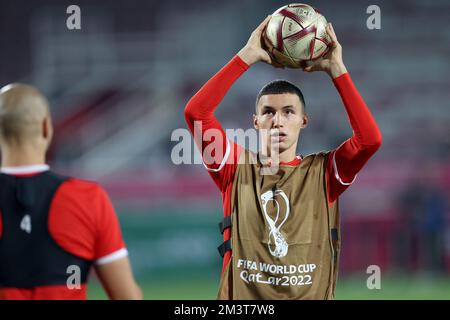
(296, 33)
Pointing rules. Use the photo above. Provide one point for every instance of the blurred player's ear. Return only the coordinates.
(47, 130)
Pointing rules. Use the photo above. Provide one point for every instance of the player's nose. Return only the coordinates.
(277, 121)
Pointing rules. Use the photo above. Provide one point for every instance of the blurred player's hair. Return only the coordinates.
(280, 87)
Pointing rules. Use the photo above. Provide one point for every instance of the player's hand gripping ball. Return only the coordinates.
(296, 33)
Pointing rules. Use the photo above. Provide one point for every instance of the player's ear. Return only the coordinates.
(47, 129)
(255, 122)
(305, 121)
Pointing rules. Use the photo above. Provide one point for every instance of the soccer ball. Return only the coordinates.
(296, 33)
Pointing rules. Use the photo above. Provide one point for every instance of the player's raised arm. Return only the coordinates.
(199, 111)
(349, 158)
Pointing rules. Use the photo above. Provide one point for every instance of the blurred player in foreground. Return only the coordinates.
(281, 231)
(52, 228)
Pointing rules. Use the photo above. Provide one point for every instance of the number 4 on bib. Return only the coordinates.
(25, 224)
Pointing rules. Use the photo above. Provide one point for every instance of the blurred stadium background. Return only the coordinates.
(118, 88)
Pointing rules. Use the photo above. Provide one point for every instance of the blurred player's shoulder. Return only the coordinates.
(84, 199)
(83, 185)
(81, 190)
(79, 212)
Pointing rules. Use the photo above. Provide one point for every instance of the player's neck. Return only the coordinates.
(287, 155)
(15, 157)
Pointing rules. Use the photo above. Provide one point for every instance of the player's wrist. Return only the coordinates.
(337, 70)
(247, 56)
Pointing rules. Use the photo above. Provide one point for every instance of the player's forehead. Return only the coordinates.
(280, 100)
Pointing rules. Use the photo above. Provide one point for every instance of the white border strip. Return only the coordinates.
(25, 169)
(336, 173)
(224, 160)
(119, 254)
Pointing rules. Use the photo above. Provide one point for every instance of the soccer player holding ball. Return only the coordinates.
(281, 230)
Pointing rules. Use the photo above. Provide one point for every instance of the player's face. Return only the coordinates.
(282, 115)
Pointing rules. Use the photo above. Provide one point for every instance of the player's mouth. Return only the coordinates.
(278, 136)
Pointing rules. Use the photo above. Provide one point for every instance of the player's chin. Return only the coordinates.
(280, 145)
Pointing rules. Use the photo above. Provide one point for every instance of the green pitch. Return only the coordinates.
(392, 287)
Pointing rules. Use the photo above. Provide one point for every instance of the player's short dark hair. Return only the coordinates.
(280, 87)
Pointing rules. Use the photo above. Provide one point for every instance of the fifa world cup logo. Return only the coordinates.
(278, 246)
